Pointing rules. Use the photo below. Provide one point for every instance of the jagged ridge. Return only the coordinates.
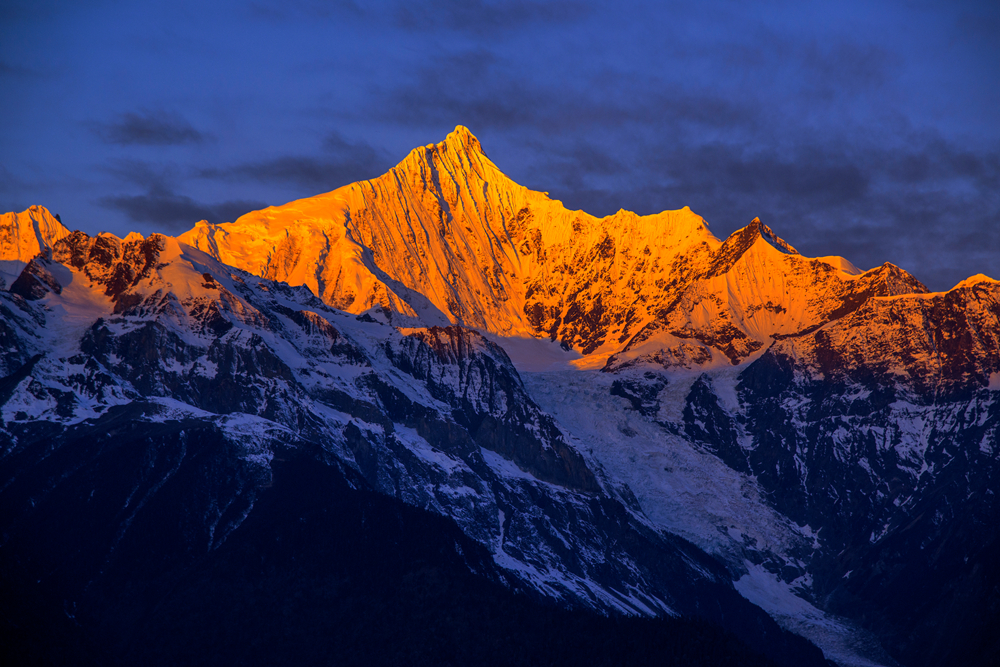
(446, 238)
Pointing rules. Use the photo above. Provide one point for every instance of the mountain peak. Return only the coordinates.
(974, 280)
(768, 235)
(460, 149)
(461, 138)
(23, 235)
(894, 281)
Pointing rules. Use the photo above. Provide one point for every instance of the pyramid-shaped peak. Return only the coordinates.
(461, 155)
(462, 139)
(768, 235)
(460, 146)
(891, 280)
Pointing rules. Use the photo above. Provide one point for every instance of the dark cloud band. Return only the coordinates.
(345, 162)
(148, 129)
(173, 212)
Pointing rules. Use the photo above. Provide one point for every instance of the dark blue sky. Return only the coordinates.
(865, 129)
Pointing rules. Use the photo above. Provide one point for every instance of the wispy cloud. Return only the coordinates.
(481, 90)
(174, 212)
(160, 203)
(345, 162)
(148, 128)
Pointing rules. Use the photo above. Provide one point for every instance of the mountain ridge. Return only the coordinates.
(446, 238)
(730, 415)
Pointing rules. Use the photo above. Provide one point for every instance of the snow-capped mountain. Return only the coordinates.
(446, 238)
(24, 235)
(623, 413)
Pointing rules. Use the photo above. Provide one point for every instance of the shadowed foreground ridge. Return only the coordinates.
(324, 569)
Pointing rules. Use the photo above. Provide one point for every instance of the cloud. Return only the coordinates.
(144, 174)
(932, 159)
(820, 175)
(346, 163)
(800, 68)
(481, 17)
(833, 68)
(478, 89)
(148, 128)
(363, 155)
(160, 204)
(173, 212)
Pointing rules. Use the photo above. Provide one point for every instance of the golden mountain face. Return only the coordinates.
(446, 238)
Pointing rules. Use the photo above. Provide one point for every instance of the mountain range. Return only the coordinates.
(540, 410)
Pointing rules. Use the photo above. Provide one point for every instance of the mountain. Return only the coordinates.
(154, 397)
(22, 236)
(625, 414)
(446, 238)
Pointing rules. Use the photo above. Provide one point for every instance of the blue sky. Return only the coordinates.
(865, 129)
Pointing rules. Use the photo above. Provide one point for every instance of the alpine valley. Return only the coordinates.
(437, 418)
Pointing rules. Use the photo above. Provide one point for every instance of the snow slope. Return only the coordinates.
(688, 491)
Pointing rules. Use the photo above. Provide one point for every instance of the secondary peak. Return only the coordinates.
(768, 235)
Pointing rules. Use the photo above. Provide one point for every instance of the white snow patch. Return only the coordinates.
(532, 355)
(72, 311)
(680, 488)
(840, 641)
(423, 450)
(172, 409)
(724, 383)
(841, 264)
(10, 269)
(504, 467)
(556, 584)
(253, 433)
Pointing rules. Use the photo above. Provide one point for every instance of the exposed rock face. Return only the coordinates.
(933, 345)
(881, 433)
(36, 280)
(475, 377)
(106, 260)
